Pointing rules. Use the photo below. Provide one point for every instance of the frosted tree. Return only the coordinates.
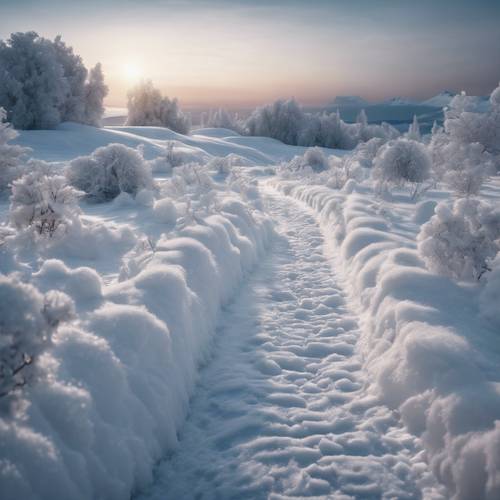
(95, 92)
(401, 162)
(73, 106)
(43, 82)
(28, 320)
(414, 130)
(147, 107)
(223, 119)
(11, 156)
(282, 120)
(33, 88)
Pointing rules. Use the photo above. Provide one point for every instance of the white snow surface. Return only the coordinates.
(430, 354)
(215, 357)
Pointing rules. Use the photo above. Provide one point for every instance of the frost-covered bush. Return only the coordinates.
(465, 123)
(463, 166)
(223, 119)
(222, 165)
(11, 156)
(110, 170)
(147, 107)
(44, 83)
(365, 152)
(460, 241)
(401, 162)
(28, 320)
(43, 202)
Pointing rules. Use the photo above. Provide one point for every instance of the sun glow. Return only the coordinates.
(132, 72)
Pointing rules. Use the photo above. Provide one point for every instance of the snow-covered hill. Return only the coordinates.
(247, 327)
(440, 100)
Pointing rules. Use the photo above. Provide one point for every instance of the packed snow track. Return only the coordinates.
(282, 409)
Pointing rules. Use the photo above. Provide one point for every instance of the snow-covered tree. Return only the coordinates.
(402, 161)
(43, 82)
(147, 107)
(460, 241)
(95, 92)
(414, 130)
(28, 319)
(282, 120)
(33, 89)
(11, 155)
(223, 119)
(73, 106)
(110, 170)
(44, 202)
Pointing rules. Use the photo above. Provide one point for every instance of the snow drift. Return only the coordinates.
(117, 379)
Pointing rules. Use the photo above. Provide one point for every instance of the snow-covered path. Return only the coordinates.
(282, 409)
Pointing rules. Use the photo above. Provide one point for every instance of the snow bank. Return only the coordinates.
(117, 380)
(431, 356)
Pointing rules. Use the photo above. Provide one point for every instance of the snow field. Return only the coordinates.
(431, 356)
(283, 408)
(117, 380)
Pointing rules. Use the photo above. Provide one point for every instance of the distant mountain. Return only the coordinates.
(398, 101)
(440, 100)
(349, 101)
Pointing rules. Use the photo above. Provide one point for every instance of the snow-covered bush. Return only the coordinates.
(28, 320)
(11, 156)
(401, 162)
(223, 119)
(108, 171)
(365, 152)
(460, 242)
(147, 107)
(43, 202)
(466, 124)
(222, 165)
(44, 83)
(463, 166)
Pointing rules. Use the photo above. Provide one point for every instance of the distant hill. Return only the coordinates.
(349, 101)
(440, 100)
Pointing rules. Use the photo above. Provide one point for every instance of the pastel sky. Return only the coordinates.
(240, 53)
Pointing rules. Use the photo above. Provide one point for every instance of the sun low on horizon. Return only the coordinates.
(132, 72)
(238, 54)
